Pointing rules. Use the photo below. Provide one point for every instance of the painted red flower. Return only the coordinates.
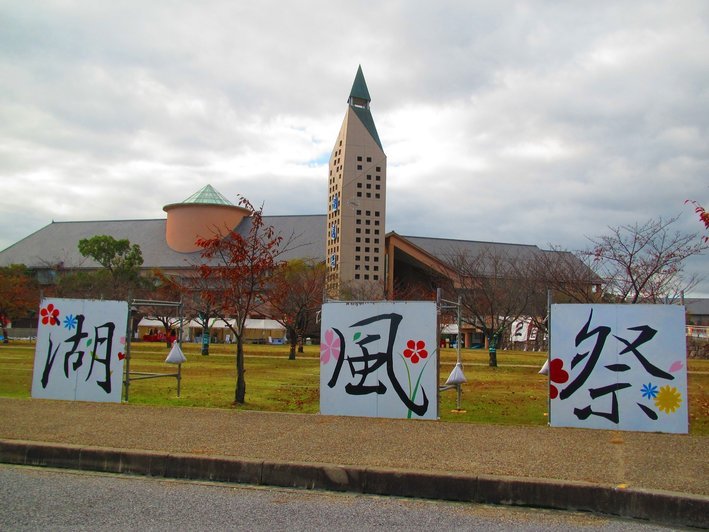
(50, 315)
(415, 351)
(557, 374)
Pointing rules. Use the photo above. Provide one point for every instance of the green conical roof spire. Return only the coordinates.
(359, 87)
(209, 196)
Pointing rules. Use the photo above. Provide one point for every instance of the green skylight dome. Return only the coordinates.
(208, 196)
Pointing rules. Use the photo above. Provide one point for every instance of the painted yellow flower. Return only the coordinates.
(668, 399)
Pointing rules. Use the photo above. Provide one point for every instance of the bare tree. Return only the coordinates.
(562, 276)
(493, 288)
(643, 263)
(163, 290)
(197, 305)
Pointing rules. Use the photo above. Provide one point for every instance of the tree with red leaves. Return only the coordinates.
(235, 270)
(703, 216)
(295, 294)
(18, 295)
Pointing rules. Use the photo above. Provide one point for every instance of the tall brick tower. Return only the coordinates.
(356, 203)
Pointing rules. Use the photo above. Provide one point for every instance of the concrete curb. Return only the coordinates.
(657, 506)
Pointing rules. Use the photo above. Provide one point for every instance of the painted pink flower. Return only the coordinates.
(50, 315)
(330, 348)
(415, 351)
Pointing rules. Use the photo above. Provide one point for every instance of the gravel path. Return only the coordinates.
(640, 460)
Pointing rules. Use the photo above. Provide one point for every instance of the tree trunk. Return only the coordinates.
(293, 339)
(206, 333)
(240, 392)
(492, 352)
(493, 359)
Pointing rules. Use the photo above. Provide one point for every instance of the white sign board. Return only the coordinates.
(618, 367)
(379, 360)
(80, 350)
(519, 330)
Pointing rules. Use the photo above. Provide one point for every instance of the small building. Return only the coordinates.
(258, 331)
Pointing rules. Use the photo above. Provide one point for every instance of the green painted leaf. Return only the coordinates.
(356, 336)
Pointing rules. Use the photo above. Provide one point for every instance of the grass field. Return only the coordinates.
(513, 393)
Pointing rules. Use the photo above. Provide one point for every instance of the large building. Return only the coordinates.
(364, 262)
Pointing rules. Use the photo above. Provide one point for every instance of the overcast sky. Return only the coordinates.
(524, 122)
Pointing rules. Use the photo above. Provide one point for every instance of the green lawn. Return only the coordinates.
(513, 393)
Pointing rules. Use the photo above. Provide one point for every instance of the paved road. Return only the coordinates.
(41, 499)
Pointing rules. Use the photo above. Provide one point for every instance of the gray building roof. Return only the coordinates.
(445, 248)
(303, 236)
(697, 306)
(57, 243)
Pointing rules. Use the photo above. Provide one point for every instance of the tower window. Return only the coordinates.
(379, 168)
(369, 159)
(359, 167)
(359, 157)
(377, 195)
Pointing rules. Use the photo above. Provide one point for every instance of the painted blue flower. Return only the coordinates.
(649, 391)
(70, 321)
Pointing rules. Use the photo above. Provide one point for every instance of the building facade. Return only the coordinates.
(356, 213)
